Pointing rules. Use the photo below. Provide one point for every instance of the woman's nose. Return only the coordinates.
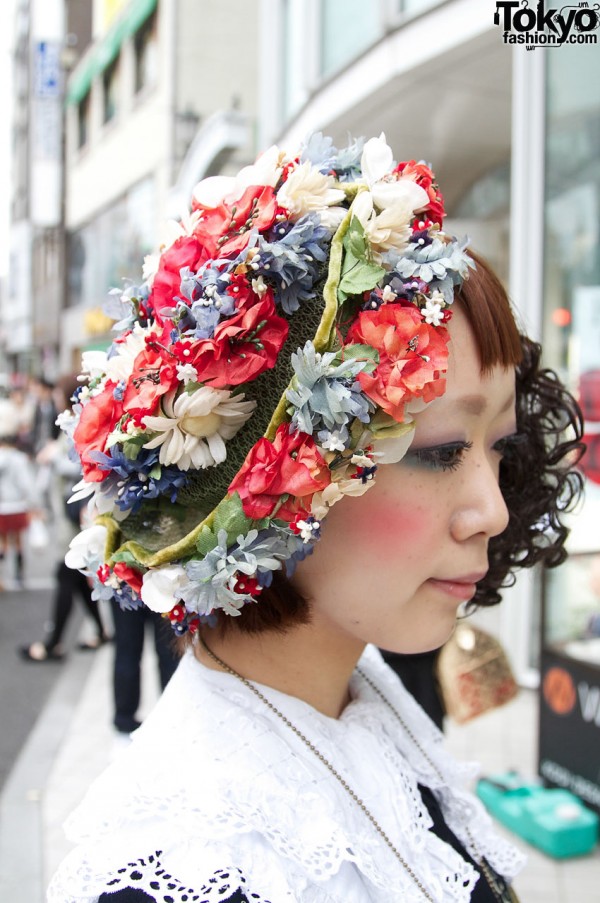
(481, 508)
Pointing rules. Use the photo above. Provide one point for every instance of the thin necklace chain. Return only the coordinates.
(316, 752)
(480, 858)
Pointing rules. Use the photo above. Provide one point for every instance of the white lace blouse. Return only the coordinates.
(216, 795)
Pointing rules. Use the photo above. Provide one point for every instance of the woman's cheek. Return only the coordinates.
(386, 528)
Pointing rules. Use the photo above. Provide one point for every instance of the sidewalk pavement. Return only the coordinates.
(73, 741)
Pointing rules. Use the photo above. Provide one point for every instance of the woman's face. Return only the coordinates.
(393, 566)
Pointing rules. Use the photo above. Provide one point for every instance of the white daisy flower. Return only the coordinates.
(306, 190)
(194, 428)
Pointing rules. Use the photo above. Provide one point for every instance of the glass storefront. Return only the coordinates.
(571, 326)
(111, 247)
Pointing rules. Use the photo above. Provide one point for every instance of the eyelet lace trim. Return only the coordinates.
(248, 792)
(149, 875)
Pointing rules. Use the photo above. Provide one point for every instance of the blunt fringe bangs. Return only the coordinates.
(483, 299)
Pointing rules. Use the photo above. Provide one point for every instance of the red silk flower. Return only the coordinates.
(129, 576)
(243, 346)
(98, 417)
(186, 251)
(290, 465)
(423, 176)
(224, 230)
(411, 356)
(154, 374)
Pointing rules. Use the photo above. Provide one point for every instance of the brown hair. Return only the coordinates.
(536, 480)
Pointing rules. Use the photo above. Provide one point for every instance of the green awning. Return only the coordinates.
(107, 48)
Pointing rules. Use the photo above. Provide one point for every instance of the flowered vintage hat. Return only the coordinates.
(275, 353)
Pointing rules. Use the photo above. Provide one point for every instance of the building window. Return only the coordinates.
(110, 84)
(146, 54)
(414, 7)
(348, 28)
(83, 121)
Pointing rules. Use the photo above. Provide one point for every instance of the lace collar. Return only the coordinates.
(247, 789)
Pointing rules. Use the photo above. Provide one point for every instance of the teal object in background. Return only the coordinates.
(554, 821)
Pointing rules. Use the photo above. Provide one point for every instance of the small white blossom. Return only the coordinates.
(259, 286)
(433, 312)
(308, 529)
(388, 295)
(334, 442)
(187, 373)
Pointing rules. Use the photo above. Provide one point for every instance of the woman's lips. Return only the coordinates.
(463, 589)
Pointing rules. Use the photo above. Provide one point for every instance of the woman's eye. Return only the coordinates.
(439, 457)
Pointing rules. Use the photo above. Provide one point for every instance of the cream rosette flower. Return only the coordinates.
(86, 550)
(387, 208)
(210, 192)
(160, 587)
(306, 190)
(195, 426)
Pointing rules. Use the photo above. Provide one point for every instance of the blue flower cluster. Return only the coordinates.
(258, 554)
(206, 301)
(292, 258)
(326, 393)
(320, 151)
(131, 482)
(439, 264)
(123, 306)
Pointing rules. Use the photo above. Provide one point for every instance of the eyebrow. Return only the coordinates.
(476, 404)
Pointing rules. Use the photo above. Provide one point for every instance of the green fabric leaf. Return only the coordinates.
(355, 241)
(155, 472)
(230, 517)
(205, 541)
(360, 353)
(382, 426)
(126, 557)
(361, 278)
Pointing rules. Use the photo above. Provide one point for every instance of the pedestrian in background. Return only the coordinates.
(70, 584)
(130, 629)
(17, 500)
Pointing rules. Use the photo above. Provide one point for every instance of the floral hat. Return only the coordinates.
(274, 355)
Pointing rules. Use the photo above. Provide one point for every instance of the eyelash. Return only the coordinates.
(450, 456)
(441, 457)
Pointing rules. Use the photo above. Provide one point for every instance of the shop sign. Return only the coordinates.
(569, 746)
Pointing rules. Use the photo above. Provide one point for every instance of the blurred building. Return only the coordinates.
(30, 330)
(153, 105)
(514, 137)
